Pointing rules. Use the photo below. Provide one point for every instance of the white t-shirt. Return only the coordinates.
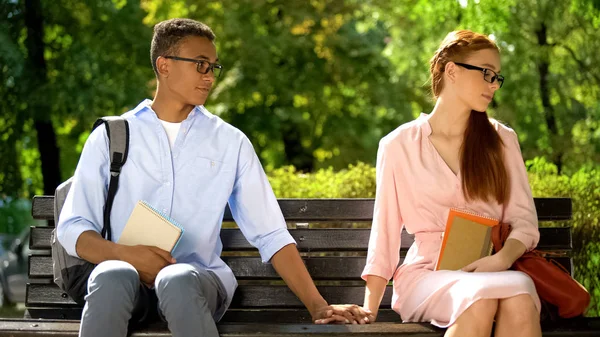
(172, 131)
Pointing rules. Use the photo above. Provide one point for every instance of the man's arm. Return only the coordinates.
(256, 211)
(147, 260)
(289, 266)
(81, 219)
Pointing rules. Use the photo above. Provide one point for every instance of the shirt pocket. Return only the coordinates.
(214, 182)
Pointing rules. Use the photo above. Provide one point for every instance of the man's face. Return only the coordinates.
(182, 78)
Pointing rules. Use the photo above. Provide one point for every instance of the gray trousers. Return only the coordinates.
(187, 299)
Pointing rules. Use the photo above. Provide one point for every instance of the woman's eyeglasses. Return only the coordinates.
(488, 74)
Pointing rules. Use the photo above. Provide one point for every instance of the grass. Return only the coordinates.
(15, 311)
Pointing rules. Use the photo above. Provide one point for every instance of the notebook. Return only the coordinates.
(149, 227)
(467, 238)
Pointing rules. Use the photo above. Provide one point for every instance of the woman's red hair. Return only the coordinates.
(481, 155)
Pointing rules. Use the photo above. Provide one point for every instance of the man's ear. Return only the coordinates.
(162, 66)
(450, 70)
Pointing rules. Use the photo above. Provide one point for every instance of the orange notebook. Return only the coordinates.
(467, 238)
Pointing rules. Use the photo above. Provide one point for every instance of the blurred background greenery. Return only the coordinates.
(314, 84)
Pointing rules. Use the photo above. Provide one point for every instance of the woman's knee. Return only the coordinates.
(484, 310)
(518, 310)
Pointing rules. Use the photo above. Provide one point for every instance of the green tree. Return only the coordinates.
(548, 54)
(67, 62)
(307, 81)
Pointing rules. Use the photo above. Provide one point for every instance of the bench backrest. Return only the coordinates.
(333, 247)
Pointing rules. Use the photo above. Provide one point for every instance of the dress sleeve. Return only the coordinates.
(520, 210)
(384, 242)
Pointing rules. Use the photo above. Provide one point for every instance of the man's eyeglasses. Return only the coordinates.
(488, 74)
(202, 66)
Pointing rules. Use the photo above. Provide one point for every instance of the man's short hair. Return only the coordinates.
(168, 34)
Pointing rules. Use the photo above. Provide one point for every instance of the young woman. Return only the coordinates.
(454, 157)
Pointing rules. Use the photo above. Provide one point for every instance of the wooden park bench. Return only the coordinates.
(263, 305)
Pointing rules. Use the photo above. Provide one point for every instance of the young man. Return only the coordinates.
(187, 163)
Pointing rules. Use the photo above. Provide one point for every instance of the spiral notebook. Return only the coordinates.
(150, 227)
(467, 238)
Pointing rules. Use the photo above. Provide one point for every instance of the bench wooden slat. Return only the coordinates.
(304, 210)
(231, 316)
(334, 239)
(246, 296)
(320, 268)
(69, 328)
(293, 209)
(552, 238)
(250, 267)
(588, 327)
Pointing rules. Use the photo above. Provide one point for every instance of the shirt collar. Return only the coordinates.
(423, 121)
(146, 105)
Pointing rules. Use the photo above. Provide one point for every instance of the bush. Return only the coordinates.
(358, 181)
(15, 215)
(584, 188)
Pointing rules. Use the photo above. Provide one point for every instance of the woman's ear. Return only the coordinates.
(450, 70)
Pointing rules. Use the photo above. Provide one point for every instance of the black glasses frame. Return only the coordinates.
(199, 65)
(485, 71)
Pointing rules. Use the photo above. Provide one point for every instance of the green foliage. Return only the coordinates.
(313, 84)
(15, 215)
(548, 50)
(300, 71)
(584, 188)
(95, 63)
(357, 181)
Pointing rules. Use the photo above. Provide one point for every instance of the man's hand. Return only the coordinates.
(492, 263)
(147, 260)
(343, 313)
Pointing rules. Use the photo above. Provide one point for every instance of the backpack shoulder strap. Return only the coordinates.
(117, 130)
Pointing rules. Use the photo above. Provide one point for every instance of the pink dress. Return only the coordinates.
(415, 190)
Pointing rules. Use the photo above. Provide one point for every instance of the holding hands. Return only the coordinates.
(343, 314)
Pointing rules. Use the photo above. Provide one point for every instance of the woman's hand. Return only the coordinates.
(492, 263)
(501, 261)
(344, 313)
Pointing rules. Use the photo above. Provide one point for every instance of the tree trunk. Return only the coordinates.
(543, 68)
(295, 153)
(49, 155)
(39, 106)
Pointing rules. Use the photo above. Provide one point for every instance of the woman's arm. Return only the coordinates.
(373, 294)
(519, 211)
(384, 243)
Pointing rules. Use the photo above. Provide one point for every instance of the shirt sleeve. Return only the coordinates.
(255, 208)
(83, 208)
(384, 242)
(520, 210)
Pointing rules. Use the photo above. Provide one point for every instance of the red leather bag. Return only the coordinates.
(552, 281)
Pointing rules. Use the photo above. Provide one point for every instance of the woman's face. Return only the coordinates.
(473, 76)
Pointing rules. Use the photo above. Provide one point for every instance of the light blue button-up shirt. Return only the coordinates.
(211, 163)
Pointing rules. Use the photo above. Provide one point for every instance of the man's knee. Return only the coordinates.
(178, 278)
(114, 276)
